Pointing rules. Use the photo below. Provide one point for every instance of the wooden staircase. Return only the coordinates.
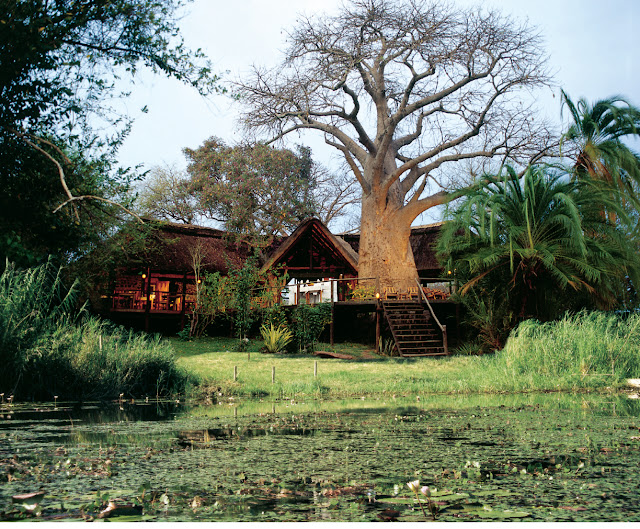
(413, 328)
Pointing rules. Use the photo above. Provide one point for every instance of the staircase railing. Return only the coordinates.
(443, 328)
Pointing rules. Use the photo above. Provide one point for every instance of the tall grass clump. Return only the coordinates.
(48, 347)
(33, 303)
(587, 348)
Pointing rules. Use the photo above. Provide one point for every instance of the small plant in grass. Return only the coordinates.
(275, 339)
(387, 347)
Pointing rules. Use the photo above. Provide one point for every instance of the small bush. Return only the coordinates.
(275, 339)
(308, 322)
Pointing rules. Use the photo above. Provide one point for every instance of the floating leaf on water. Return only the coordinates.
(29, 501)
(497, 493)
(502, 515)
(29, 498)
(113, 509)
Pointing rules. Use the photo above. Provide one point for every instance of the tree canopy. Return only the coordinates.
(60, 62)
(255, 191)
(595, 138)
(403, 88)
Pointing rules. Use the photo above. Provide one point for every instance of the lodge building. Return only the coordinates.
(157, 290)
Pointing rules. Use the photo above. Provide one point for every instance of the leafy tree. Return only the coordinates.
(244, 281)
(166, 195)
(33, 227)
(308, 322)
(597, 133)
(60, 61)
(255, 191)
(403, 89)
(535, 246)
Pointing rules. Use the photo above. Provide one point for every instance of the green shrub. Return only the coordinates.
(275, 339)
(308, 322)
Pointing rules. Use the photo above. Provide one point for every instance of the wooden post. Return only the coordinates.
(315, 369)
(248, 355)
(100, 342)
(378, 325)
(333, 315)
(147, 308)
(273, 375)
(297, 292)
(235, 373)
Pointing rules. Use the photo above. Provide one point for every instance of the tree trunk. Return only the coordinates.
(385, 250)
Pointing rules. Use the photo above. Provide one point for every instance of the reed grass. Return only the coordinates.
(50, 348)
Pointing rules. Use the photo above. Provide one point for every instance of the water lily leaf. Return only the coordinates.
(450, 497)
(497, 493)
(113, 509)
(502, 515)
(31, 498)
(399, 499)
(465, 507)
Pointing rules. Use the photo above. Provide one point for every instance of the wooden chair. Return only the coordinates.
(412, 292)
(390, 293)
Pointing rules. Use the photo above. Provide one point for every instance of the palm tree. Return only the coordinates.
(598, 131)
(537, 243)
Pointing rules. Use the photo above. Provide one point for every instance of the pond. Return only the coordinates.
(527, 458)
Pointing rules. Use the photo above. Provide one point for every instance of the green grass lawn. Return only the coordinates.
(585, 352)
(213, 361)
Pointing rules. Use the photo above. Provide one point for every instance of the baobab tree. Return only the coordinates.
(403, 88)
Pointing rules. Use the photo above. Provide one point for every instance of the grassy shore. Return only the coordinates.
(582, 353)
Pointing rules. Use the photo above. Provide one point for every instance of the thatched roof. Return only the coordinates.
(171, 247)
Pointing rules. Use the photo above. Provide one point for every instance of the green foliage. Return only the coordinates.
(244, 281)
(586, 344)
(597, 133)
(364, 292)
(308, 322)
(276, 339)
(46, 352)
(33, 303)
(387, 347)
(59, 59)
(255, 190)
(274, 315)
(59, 62)
(215, 299)
(517, 242)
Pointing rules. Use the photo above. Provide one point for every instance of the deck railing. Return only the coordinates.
(443, 328)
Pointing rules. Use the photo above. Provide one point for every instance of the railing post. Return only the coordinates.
(333, 315)
(444, 340)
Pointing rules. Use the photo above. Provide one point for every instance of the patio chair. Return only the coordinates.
(390, 293)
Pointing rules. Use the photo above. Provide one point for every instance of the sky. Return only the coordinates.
(593, 48)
